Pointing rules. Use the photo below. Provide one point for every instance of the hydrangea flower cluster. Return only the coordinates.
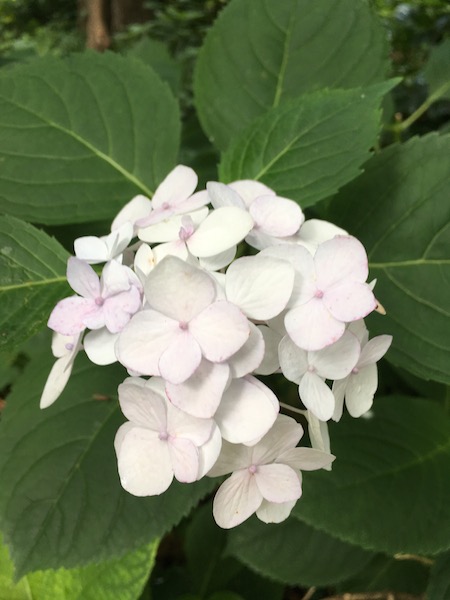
(195, 327)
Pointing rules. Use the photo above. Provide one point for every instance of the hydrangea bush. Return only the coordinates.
(210, 322)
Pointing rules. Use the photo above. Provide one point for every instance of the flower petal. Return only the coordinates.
(181, 358)
(221, 230)
(221, 195)
(221, 329)
(138, 208)
(293, 360)
(179, 290)
(249, 357)
(260, 286)
(142, 405)
(249, 190)
(200, 395)
(338, 259)
(375, 349)
(360, 390)
(339, 387)
(311, 326)
(314, 232)
(284, 434)
(247, 411)
(318, 433)
(167, 227)
(337, 360)
(316, 396)
(233, 457)
(270, 362)
(184, 457)
(56, 380)
(236, 500)
(278, 483)
(69, 315)
(276, 216)
(144, 464)
(209, 452)
(306, 459)
(82, 278)
(144, 339)
(218, 261)
(91, 249)
(100, 346)
(178, 185)
(273, 512)
(349, 301)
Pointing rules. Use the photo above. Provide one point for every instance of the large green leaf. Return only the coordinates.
(79, 137)
(295, 553)
(260, 52)
(307, 148)
(399, 208)
(156, 55)
(122, 578)
(437, 71)
(389, 487)
(61, 503)
(32, 280)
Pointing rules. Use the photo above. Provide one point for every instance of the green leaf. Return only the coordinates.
(32, 280)
(122, 578)
(399, 209)
(439, 586)
(80, 137)
(389, 486)
(387, 573)
(155, 54)
(437, 71)
(295, 553)
(260, 53)
(61, 503)
(307, 148)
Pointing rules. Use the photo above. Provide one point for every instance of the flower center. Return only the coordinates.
(163, 436)
(252, 469)
(99, 301)
(183, 325)
(311, 369)
(318, 294)
(165, 206)
(69, 347)
(355, 370)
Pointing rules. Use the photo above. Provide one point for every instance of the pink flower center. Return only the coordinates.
(183, 325)
(311, 369)
(165, 206)
(252, 469)
(163, 436)
(355, 370)
(318, 294)
(99, 301)
(69, 347)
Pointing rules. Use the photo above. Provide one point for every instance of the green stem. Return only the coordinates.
(293, 409)
(398, 128)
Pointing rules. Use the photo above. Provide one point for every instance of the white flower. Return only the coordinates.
(266, 477)
(65, 349)
(159, 441)
(95, 250)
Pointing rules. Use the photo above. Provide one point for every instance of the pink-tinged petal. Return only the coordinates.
(144, 262)
(193, 203)
(249, 357)
(359, 329)
(316, 396)
(179, 290)
(82, 278)
(312, 327)
(118, 310)
(341, 258)
(56, 380)
(142, 405)
(305, 275)
(116, 278)
(144, 339)
(184, 457)
(336, 361)
(306, 459)
(276, 216)
(178, 185)
(260, 286)
(339, 387)
(221, 230)
(278, 483)
(221, 329)
(64, 344)
(144, 463)
(221, 195)
(138, 208)
(69, 315)
(260, 240)
(233, 457)
(180, 359)
(349, 301)
(272, 512)
(285, 433)
(360, 390)
(183, 425)
(270, 362)
(315, 231)
(91, 249)
(249, 190)
(318, 434)
(218, 261)
(167, 225)
(209, 452)
(247, 411)
(200, 395)
(236, 500)
(100, 346)
(293, 360)
(374, 350)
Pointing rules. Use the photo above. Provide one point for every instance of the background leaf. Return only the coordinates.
(260, 53)
(399, 209)
(32, 280)
(61, 503)
(437, 70)
(307, 148)
(389, 487)
(155, 54)
(122, 578)
(439, 586)
(80, 137)
(292, 552)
